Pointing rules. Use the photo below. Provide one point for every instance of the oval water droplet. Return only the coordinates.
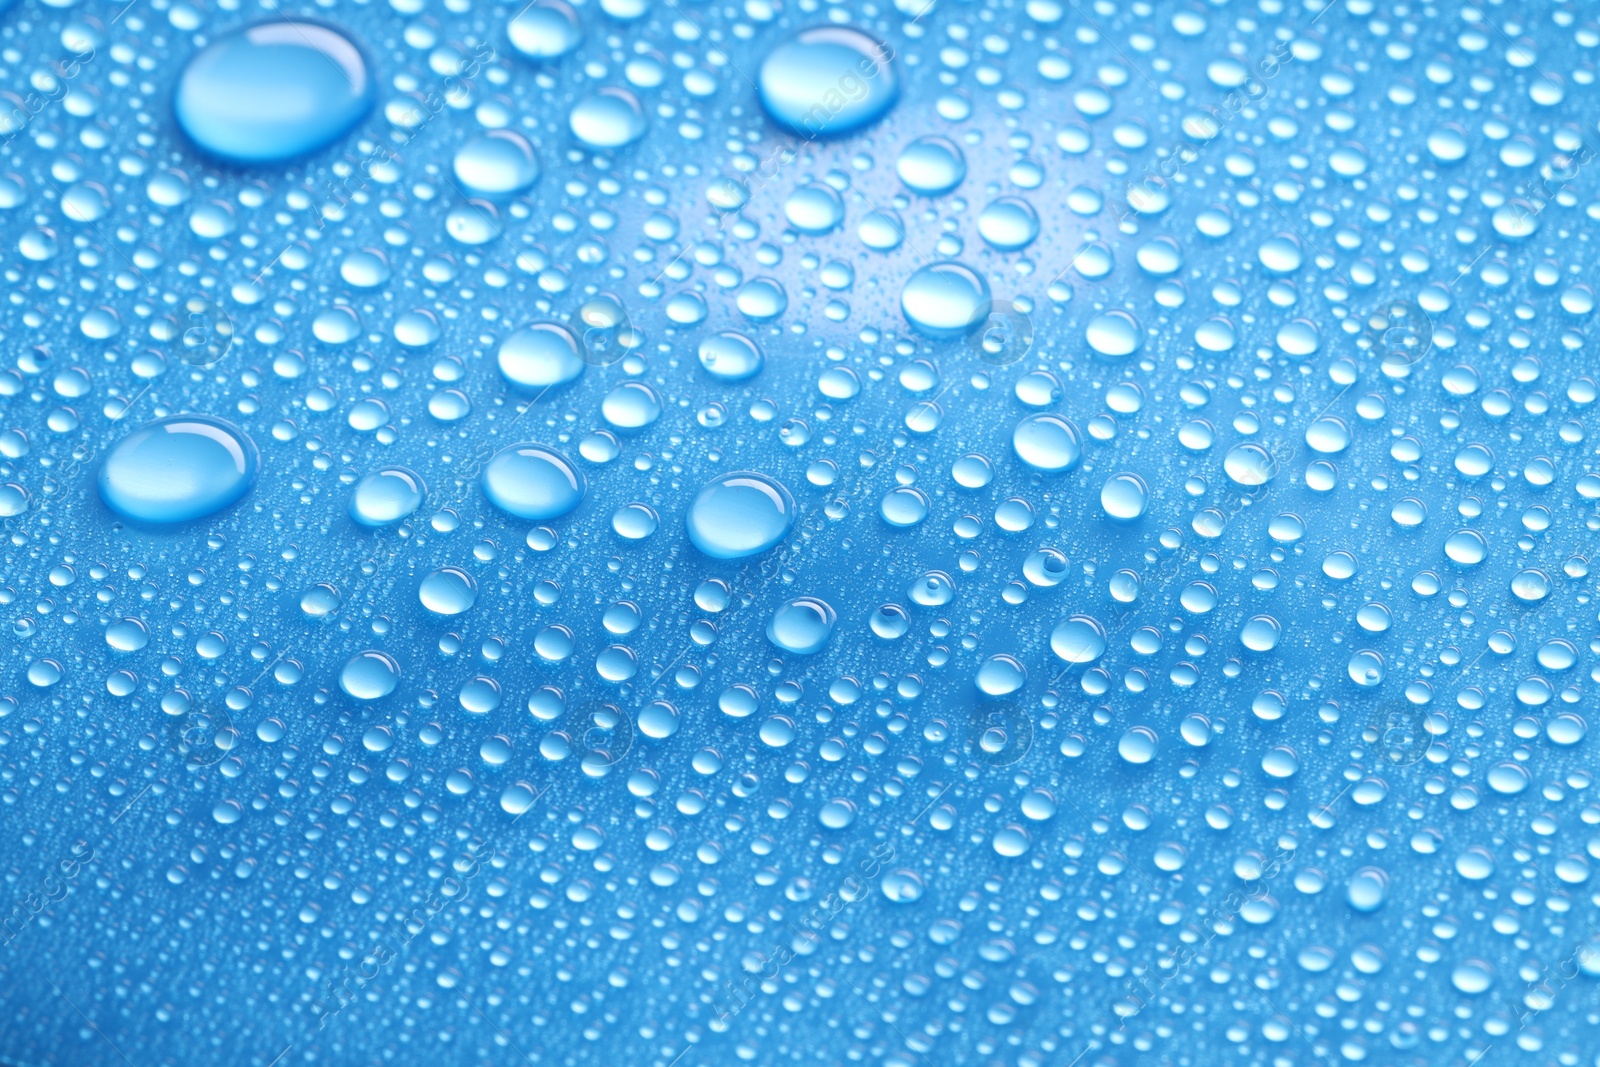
(273, 91)
(802, 625)
(827, 81)
(386, 496)
(1048, 442)
(179, 468)
(944, 300)
(532, 481)
(740, 514)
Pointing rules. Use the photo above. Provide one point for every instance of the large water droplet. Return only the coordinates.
(548, 29)
(802, 625)
(827, 80)
(1048, 442)
(731, 357)
(539, 356)
(531, 481)
(1078, 639)
(1008, 224)
(178, 468)
(448, 591)
(370, 675)
(740, 514)
(1124, 497)
(607, 118)
(1367, 889)
(945, 299)
(498, 163)
(1114, 334)
(273, 91)
(386, 495)
(931, 165)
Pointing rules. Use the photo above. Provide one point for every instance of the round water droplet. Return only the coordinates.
(1260, 633)
(827, 81)
(607, 118)
(802, 625)
(370, 675)
(1048, 442)
(1113, 334)
(730, 357)
(904, 506)
(386, 495)
(127, 635)
(498, 163)
(273, 91)
(1531, 585)
(1366, 667)
(1248, 465)
(902, 886)
(814, 209)
(1001, 675)
(1138, 745)
(1008, 224)
(931, 165)
(1124, 497)
(539, 356)
(837, 814)
(1473, 976)
(178, 468)
(1078, 639)
(944, 300)
(1367, 889)
(740, 514)
(532, 481)
(448, 591)
(1466, 547)
(631, 406)
(548, 29)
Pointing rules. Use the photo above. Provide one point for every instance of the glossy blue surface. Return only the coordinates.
(1071, 544)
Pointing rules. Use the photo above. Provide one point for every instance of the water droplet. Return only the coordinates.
(1078, 640)
(538, 356)
(548, 29)
(607, 118)
(1009, 224)
(944, 300)
(1367, 889)
(1124, 497)
(740, 514)
(931, 166)
(386, 496)
(448, 591)
(273, 91)
(1048, 442)
(1249, 465)
(1138, 745)
(370, 675)
(827, 81)
(179, 468)
(532, 481)
(814, 209)
(1113, 334)
(499, 163)
(730, 357)
(802, 625)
